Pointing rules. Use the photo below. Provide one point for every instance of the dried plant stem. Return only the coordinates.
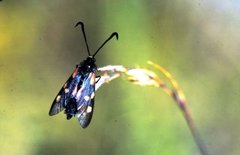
(180, 99)
(145, 77)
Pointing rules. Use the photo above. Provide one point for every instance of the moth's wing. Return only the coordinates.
(58, 103)
(68, 90)
(85, 100)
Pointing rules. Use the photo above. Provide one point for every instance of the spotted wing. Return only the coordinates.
(85, 100)
(67, 91)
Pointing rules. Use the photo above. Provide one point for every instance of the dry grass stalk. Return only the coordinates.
(145, 77)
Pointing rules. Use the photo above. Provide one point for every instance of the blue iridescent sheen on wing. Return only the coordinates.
(65, 93)
(85, 100)
(76, 97)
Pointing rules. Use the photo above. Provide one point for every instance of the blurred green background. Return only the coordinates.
(197, 41)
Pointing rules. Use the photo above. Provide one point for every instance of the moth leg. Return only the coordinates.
(98, 78)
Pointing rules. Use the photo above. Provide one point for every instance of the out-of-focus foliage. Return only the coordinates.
(197, 41)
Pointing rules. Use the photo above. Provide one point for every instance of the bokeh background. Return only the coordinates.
(198, 41)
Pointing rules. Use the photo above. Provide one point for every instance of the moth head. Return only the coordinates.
(91, 59)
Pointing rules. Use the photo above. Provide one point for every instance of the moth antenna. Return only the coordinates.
(112, 35)
(85, 38)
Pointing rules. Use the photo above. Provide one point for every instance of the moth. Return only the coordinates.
(76, 97)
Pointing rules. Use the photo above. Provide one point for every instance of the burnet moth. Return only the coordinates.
(76, 97)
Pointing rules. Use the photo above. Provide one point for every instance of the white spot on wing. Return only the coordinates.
(89, 109)
(86, 98)
(58, 98)
(92, 80)
(92, 95)
(66, 90)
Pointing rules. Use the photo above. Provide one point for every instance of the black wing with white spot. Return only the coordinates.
(85, 100)
(67, 91)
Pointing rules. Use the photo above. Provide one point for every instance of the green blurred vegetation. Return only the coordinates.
(197, 41)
